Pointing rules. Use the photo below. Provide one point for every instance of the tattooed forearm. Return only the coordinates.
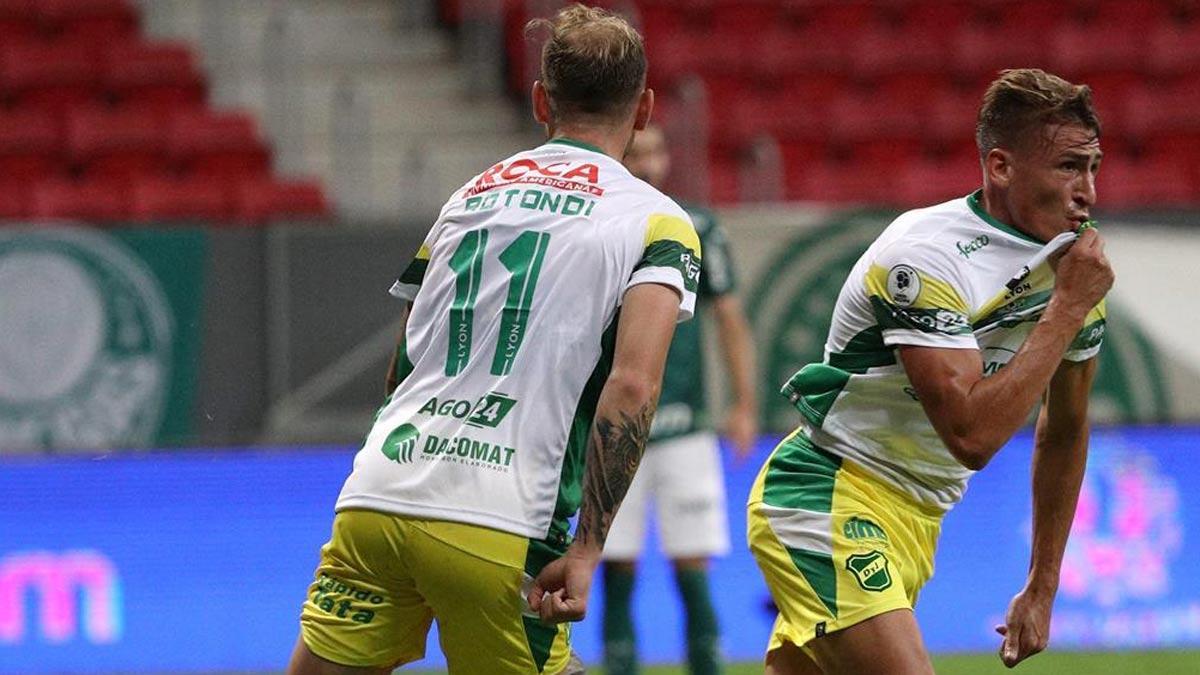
(614, 451)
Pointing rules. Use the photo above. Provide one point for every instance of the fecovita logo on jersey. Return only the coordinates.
(965, 250)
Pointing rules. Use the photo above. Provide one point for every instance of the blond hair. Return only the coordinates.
(1025, 100)
(594, 62)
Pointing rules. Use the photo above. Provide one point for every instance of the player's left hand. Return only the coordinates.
(1026, 628)
(741, 428)
(560, 592)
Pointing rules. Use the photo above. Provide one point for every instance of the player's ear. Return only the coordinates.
(998, 167)
(645, 106)
(542, 111)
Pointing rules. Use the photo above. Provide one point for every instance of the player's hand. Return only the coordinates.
(741, 428)
(1026, 628)
(1083, 275)
(560, 592)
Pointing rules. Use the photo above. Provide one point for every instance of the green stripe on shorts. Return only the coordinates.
(800, 476)
(800, 480)
(540, 638)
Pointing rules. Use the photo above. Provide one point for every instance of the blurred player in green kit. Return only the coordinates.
(681, 469)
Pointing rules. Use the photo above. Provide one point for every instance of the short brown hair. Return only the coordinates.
(594, 62)
(1024, 100)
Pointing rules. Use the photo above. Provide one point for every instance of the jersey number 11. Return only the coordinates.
(523, 260)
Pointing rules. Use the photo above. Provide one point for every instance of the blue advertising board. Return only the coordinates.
(199, 560)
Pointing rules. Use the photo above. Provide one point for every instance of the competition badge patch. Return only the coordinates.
(904, 285)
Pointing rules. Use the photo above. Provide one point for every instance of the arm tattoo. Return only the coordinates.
(614, 451)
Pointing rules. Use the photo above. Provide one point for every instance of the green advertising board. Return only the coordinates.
(99, 337)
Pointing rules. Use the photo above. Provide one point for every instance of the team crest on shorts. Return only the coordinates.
(870, 570)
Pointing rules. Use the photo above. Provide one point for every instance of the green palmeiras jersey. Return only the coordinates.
(936, 277)
(682, 406)
(516, 294)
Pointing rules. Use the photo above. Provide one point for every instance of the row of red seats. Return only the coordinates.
(93, 21)
(104, 141)
(930, 16)
(157, 199)
(937, 113)
(963, 51)
(152, 75)
(915, 181)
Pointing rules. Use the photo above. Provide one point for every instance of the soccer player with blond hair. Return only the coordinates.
(541, 308)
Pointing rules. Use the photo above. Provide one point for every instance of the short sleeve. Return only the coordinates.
(716, 271)
(671, 256)
(918, 299)
(1087, 342)
(406, 286)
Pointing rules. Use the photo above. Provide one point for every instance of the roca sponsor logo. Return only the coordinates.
(965, 250)
(85, 349)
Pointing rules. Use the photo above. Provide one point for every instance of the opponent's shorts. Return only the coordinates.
(837, 546)
(683, 477)
(383, 578)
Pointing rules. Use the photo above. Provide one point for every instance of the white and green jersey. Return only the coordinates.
(516, 294)
(936, 277)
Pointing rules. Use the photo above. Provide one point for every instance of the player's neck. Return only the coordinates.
(993, 203)
(606, 140)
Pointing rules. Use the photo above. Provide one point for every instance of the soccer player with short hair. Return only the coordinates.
(681, 470)
(541, 308)
(955, 323)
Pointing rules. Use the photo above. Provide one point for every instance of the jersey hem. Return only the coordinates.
(466, 516)
(667, 277)
(404, 291)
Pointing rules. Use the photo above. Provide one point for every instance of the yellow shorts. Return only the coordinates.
(384, 578)
(836, 545)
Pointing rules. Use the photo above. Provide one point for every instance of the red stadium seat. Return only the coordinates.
(924, 182)
(18, 21)
(723, 178)
(217, 144)
(980, 50)
(745, 17)
(882, 51)
(950, 116)
(930, 19)
(193, 199)
(1174, 49)
(842, 183)
(1137, 18)
(96, 22)
(157, 75)
(99, 201)
(13, 201)
(1154, 110)
(857, 116)
(1080, 49)
(31, 146)
(673, 55)
(782, 51)
(266, 200)
(53, 75)
(1122, 184)
(845, 18)
(116, 142)
(799, 157)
